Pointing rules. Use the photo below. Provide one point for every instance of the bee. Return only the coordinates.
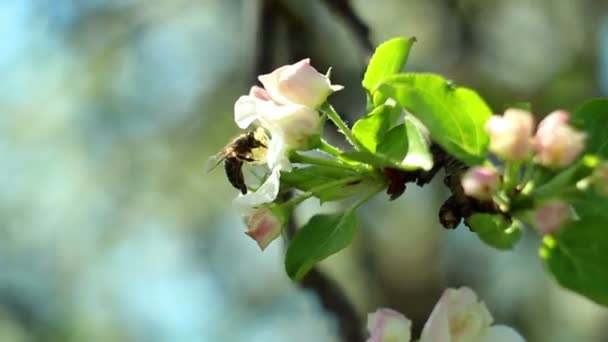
(239, 150)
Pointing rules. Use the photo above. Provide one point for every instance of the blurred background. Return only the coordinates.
(111, 231)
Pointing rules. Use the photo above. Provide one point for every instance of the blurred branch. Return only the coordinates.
(344, 9)
(332, 297)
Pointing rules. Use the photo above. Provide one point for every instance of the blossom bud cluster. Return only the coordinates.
(287, 108)
(556, 144)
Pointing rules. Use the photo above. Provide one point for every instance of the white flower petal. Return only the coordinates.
(245, 111)
(276, 156)
(501, 333)
(266, 193)
(437, 327)
(387, 325)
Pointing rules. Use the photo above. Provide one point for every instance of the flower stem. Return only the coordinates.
(326, 108)
(329, 148)
(298, 199)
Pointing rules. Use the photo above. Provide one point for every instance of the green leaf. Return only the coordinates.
(592, 117)
(418, 153)
(308, 178)
(321, 237)
(370, 129)
(454, 116)
(365, 157)
(577, 257)
(495, 230)
(394, 144)
(388, 59)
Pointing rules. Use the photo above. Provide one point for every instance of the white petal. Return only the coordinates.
(276, 157)
(501, 333)
(266, 193)
(245, 111)
(437, 327)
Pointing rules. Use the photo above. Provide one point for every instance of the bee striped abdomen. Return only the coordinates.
(234, 172)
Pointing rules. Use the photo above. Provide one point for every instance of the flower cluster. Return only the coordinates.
(287, 108)
(554, 146)
(458, 317)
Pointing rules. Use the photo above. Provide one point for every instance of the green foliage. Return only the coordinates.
(394, 144)
(592, 117)
(388, 59)
(455, 116)
(418, 153)
(495, 230)
(371, 128)
(321, 237)
(577, 257)
(311, 177)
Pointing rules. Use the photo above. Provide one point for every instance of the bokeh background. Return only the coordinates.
(111, 231)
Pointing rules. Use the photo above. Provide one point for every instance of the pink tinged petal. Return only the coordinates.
(387, 325)
(551, 216)
(511, 134)
(500, 333)
(265, 225)
(557, 144)
(245, 111)
(266, 193)
(259, 93)
(480, 182)
(271, 84)
(302, 84)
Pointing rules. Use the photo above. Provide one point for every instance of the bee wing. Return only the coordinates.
(213, 161)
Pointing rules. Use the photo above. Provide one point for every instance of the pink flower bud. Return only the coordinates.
(557, 144)
(387, 325)
(265, 224)
(550, 216)
(480, 182)
(298, 83)
(511, 134)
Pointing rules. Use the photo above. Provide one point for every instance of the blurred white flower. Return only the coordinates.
(511, 134)
(557, 144)
(387, 325)
(457, 317)
(460, 317)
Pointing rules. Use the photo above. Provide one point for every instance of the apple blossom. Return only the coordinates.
(387, 325)
(460, 317)
(266, 223)
(298, 83)
(266, 193)
(551, 215)
(557, 144)
(480, 182)
(511, 134)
